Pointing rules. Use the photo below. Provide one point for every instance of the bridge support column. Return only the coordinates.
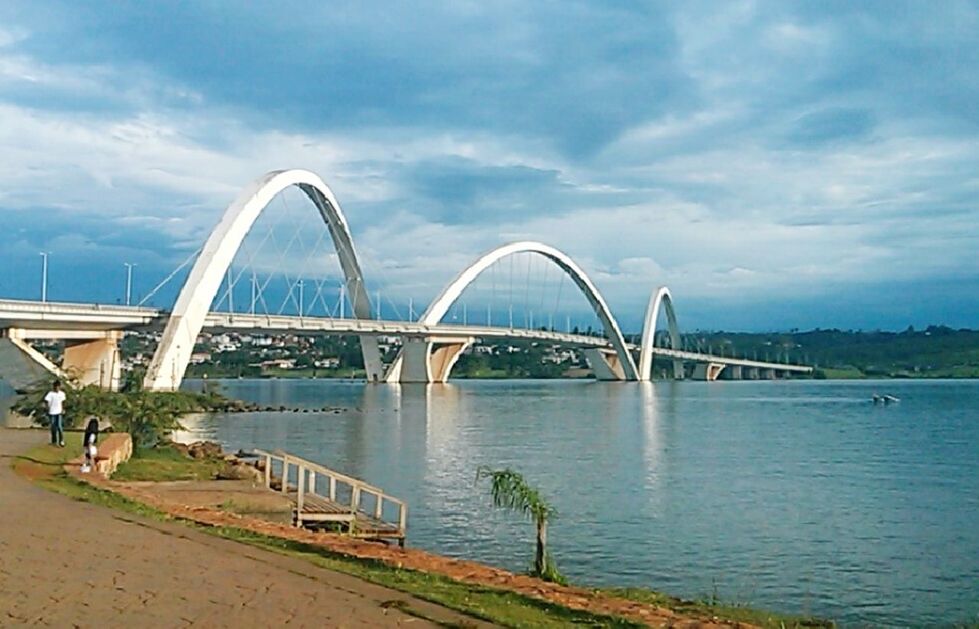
(733, 372)
(678, 370)
(430, 360)
(414, 361)
(443, 358)
(605, 365)
(373, 366)
(767, 374)
(95, 361)
(708, 371)
(90, 357)
(752, 373)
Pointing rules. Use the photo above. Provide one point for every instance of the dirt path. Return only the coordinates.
(66, 563)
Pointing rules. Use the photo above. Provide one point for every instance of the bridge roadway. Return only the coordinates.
(79, 318)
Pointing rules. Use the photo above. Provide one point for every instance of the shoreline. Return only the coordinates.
(643, 607)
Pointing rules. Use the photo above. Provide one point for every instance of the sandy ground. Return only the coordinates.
(65, 563)
(236, 496)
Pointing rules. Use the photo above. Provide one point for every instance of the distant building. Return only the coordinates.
(279, 363)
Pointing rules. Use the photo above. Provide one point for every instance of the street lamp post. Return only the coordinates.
(44, 276)
(129, 281)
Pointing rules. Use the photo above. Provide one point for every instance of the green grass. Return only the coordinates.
(45, 466)
(166, 463)
(727, 611)
(499, 606)
(485, 373)
(309, 372)
(958, 371)
(842, 373)
(53, 455)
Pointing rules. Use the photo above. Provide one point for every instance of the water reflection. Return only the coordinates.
(652, 451)
(195, 427)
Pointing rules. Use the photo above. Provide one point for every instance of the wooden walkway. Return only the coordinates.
(346, 503)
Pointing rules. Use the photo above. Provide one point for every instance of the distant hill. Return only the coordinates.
(935, 352)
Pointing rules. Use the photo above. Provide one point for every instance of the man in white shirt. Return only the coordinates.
(55, 400)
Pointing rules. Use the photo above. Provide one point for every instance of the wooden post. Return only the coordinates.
(268, 472)
(285, 474)
(311, 487)
(354, 498)
(403, 518)
(333, 488)
(300, 494)
(379, 507)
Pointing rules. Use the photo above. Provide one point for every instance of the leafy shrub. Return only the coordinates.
(148, 416)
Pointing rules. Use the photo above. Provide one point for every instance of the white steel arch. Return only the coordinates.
(169, 364)
(660, 297)
(441, 304)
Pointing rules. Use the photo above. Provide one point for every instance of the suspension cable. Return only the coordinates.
(170, 276)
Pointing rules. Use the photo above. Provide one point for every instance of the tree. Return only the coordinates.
(148, 416)
(510, 491)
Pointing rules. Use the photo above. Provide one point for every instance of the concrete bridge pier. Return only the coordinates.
(430, 360)
(708, 371)
(373, 367)
(733, 372)
(678, 372)
(90, 357)
(767, 374)
(95, 361)
(605, 364)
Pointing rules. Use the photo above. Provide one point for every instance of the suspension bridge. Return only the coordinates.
(234, 268)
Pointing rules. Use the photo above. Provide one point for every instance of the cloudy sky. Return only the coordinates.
(778, 165)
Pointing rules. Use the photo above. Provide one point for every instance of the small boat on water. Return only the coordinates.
(885, 399)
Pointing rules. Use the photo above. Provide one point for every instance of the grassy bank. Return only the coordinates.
(718, 608)
(166, 463)
(44, 464)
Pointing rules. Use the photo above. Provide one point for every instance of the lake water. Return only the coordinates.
(800, 496)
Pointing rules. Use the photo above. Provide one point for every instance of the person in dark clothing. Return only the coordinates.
(88, 443)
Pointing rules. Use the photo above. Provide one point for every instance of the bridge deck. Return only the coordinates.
(67, 316)
(343, 500)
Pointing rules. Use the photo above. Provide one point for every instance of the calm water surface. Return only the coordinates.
(798, 496)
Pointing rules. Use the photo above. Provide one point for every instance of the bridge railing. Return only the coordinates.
(68, 306)
(347, 492)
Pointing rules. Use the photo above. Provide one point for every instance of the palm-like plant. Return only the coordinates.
(510, 491)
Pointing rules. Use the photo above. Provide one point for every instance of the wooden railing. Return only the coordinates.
(308, 478)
